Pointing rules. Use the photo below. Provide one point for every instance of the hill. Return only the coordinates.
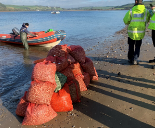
(49, 8)
(27, 8)
(129, 6)
(31, 8)
(2, 7)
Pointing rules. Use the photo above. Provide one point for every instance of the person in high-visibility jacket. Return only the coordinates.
(152, 27)
(136, 19)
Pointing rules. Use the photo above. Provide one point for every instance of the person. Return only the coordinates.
(136, 19)
(23, 35)
(152, 27)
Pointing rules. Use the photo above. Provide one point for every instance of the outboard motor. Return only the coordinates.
(16, 32)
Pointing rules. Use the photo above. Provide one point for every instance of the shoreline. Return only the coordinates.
(61, 10)
(122, 98)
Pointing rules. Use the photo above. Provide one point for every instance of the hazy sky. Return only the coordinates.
(68, 3)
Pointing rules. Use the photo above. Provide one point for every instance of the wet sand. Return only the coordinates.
(123, 97)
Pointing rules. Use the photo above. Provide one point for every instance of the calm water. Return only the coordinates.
(85, 28)
(82, 27)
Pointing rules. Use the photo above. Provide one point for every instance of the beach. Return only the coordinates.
(123, 97)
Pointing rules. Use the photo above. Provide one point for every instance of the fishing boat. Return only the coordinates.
(46, 39)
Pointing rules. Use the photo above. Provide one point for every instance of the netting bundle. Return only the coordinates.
(78, 53)
(94, 77)
(61, 101)
(74, 90)
(37, 114)
(57, 82)
(22, 106)
(88, 67)
(82, 85)
(59, 51)
(70, 59)
(40, 92)
(72, 70)
(60, 62)
(86, 79)
(44, 71)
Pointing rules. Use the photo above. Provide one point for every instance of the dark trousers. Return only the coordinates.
(153, 37)
(134, 49)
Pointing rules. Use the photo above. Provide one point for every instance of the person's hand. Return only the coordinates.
(36, 35)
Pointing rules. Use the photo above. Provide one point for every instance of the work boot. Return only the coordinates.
(152, 61)
(135, 62)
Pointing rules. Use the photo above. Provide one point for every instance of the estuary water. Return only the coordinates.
(85, 28)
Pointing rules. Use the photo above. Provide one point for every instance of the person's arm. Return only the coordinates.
(127, 18)
(31, 34)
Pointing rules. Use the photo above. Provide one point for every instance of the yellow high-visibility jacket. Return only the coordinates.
(152, 22)
(136, 18)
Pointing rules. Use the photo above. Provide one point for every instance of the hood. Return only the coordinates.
(138, 8)
(24, 25)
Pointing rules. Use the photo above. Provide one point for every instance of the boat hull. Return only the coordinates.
(55, 12)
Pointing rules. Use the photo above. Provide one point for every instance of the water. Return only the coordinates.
(85, 28)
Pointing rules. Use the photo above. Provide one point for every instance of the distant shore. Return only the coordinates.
(65, 10)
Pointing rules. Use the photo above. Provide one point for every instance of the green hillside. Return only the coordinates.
(2, 7)
(31, 8)
(92, 8)
(26, 8)
(129, 6)
(49, 8)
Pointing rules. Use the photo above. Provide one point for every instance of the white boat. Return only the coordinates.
(55, 12)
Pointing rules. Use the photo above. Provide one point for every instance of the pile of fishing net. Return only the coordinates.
(57, 82)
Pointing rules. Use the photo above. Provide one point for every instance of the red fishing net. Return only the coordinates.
(86, 79)
(78, 53)
(61, 101)
(40, 92)
(74, 90)
(70, 59)
(61, 62)
(73, 70)
(38, 114)
(44, 71)
(94, 77)
(81, 83)
(88, 66)
(22, 106)
(59, 51)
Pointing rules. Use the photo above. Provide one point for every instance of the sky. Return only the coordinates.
(68, 3)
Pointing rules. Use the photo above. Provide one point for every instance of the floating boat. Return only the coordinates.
(48, 39)
(55, 12)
